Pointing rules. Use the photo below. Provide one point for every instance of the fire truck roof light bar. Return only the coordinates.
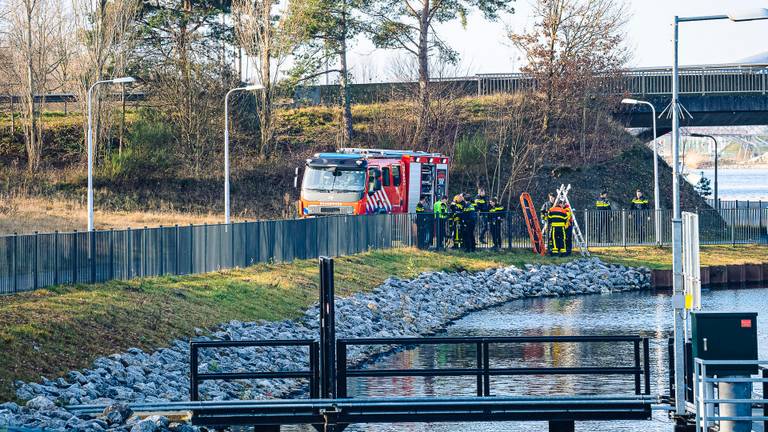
(385, 152)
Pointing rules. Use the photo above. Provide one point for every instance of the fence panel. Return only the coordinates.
(35, 261)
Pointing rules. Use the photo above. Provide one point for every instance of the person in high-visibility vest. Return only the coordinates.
(455, 220)
(496, 216)
(469, 221)
(558, 218)
(440, 209)
(603, 215)
(482, 206)
(640, 214)
(423, 225)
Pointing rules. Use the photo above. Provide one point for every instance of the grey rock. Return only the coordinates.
(41, 403)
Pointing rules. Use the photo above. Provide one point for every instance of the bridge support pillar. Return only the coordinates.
(562, 426)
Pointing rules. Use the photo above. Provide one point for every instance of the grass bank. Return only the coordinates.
(661, 258)
(51, 331)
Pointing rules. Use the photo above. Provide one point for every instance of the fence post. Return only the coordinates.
(162, 251)
(733, 225)
(509, 229)
(191, 249)
(111, 253)
(205, 247)
(176, 251)
(232, 246)
(13, 262)
(56, 257)
(143, 266)
(74, 258)
(586, 228)
(35, 259)
(92, 248)
(624, 228)
(245, 244)
(130, 253)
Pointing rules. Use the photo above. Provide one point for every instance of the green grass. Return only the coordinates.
(661, 258)
(51, 331)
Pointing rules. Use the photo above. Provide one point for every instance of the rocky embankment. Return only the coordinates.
(422, 306)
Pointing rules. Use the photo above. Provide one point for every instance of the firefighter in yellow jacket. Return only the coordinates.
(559, 219)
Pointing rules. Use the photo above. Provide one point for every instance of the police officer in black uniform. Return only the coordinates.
(469, 221)
(640, 206)
(482, 207)
(496, 216)
(603, 214)
(423, 225)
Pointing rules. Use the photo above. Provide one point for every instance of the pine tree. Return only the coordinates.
(703, 187)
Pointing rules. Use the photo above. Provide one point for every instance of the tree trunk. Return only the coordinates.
(265, 114)
(422, 129)
(347, 131)
(33, 156)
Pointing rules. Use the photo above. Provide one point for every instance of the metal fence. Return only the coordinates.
(28, 262)
(32, 261)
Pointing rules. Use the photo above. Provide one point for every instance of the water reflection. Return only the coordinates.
(647, 314)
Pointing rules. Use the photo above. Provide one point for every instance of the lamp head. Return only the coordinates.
(123, 80)
(698, 135)
(253, 87)
(748, 15)
(629, 101)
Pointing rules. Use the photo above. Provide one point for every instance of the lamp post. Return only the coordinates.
(678, 298)
(122, 80)
(697, 135)
(226, 144)
(656, 206)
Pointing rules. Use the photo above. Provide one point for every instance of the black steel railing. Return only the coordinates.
(482, 370)
(312, 373)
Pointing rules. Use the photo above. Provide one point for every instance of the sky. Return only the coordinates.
(484, 48)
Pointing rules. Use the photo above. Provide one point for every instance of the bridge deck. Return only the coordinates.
(394, 410)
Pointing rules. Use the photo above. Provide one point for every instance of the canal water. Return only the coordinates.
(637, 313)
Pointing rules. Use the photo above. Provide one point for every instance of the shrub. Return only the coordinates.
(148, 152)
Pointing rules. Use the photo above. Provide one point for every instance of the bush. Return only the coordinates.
(148, 151)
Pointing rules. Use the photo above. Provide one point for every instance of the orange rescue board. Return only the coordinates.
(532, 222)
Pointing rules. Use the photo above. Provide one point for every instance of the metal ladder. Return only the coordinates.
(562, 194)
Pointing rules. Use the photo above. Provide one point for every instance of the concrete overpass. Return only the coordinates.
(714, 95)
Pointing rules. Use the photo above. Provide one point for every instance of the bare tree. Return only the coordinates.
(265, 36)
(30, 30)
(105, 30)
(409, 25)
(574, 50)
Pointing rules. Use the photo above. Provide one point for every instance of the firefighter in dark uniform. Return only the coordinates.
(496, 216)
(603, 214)
(456, 212)
(440, 209)
(482, 206)
(640, 204)
(424, 221)
(558, 218)
(469, 221)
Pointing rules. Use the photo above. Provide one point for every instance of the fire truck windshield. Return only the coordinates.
(333, 180)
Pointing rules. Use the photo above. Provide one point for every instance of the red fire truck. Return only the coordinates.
(369, 181)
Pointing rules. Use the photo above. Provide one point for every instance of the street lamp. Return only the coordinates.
(656, 206)
(697, 135)
(226, 144)
(678, 298)
(121, 80)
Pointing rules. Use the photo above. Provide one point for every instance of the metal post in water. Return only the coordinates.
(327, 330)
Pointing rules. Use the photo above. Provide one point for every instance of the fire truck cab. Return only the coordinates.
(357, 181)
